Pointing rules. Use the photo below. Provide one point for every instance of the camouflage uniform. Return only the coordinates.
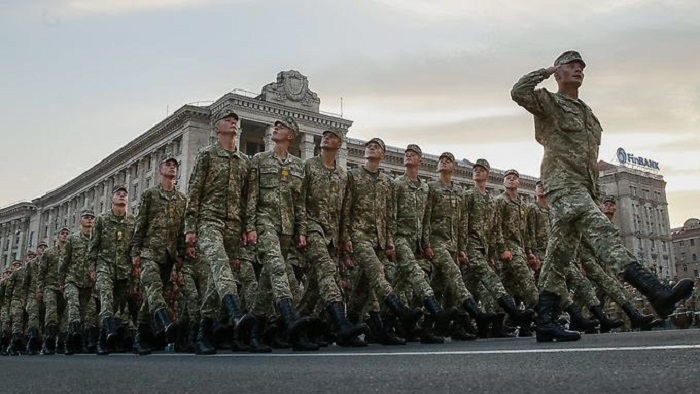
(74, 275)
(322, 192)
(509, 234)
(410, 200)
(33, 306)
(275, 210)
(444, 232)
(48, 283)
(368, 222)
(109, 255)
(479, 220)
(17, 289)
(158, 240)
(570, 134)
(214, 212)
(4, 308)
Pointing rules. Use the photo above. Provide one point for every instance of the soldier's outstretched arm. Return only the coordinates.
(524, 93)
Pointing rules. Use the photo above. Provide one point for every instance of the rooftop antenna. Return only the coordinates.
(341, 107)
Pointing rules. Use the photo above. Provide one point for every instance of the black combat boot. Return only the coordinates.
(205, 345)
(91, 336)
(61, 339)
(4, 343)
(498, 327)
(578, 321)
(548, 328)
(15, 346)
(382, 334)
(242, 323)
(408, 316)
(346, 331)
(662, 297)
(296, 327)
(476, 313)
(427, 334)
(102, 349)
(256, 343)
(518, 316)
(141, 345)
(33, 342)
(163, 323)
(111, 326)
(637, 319)
(192, 331)
(74, 341)
(49, 346)
(606, 323)
(461, 328)
(440, 317)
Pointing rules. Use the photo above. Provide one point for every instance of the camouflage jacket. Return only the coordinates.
(32, 276)
(216, 188)
(110, 244)
(509, 224)
(49, 269)
(479, 221)
(17, 286)
(274, 194)
(322, 191)
(3, 298)
(569, 132)
(443, 223)
(368, 209)
(160, 225)
(76, 267)
(538, 220)
(410, 200)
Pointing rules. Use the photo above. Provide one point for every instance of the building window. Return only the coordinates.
(683, 256)
(692, 242)
(663, 246)
(31, 238)
(17, 238)
(685, 268)
(681, 244)
(695, 257)
(633, 191)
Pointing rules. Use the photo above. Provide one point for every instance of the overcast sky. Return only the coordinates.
(81, 78)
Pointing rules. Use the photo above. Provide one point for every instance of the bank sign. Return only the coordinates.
(626, 158)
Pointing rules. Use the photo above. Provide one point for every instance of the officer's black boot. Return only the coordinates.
(242, 323)
(49, 346)
(408, 316)
(33, 341)
(637, 319)
(662, 297)
(74, 341)
(578, 321)
(102, 349)
(498, 328)
(548, 328)
(476, 313)
(15, 346)
(163, 322)
(205, 345)
(296, 327)
(347, 332)
(518, 316)
(141, 345)
(606, 323)
(256, 343)
(61, 339)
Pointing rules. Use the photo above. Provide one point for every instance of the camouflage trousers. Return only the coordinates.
(218, 247)
(154, 277)
(80, 305)
(276, 273)
(33, 311)
(196, 280)
(517, 277)
(479, 276)
(583, 290)
(114, 296)
(54, 307)
(608, 284)
(576, 216)
(5, 321)
(17, 315)
(323, 269)
(410, 277)
(447, 277)
(369, 284)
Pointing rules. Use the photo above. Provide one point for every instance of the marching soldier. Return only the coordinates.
(17, 295)
(49, 290)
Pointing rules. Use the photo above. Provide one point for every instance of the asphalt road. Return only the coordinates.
(642, 362)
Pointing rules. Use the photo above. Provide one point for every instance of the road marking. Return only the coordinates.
(435, 353)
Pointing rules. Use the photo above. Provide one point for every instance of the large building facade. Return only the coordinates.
(183, 134)
(642, 215)
(686, 249)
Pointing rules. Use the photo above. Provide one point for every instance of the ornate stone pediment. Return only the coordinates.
(292, 89)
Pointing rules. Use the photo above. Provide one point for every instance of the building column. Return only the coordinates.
(343, 156)
(307, 146)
